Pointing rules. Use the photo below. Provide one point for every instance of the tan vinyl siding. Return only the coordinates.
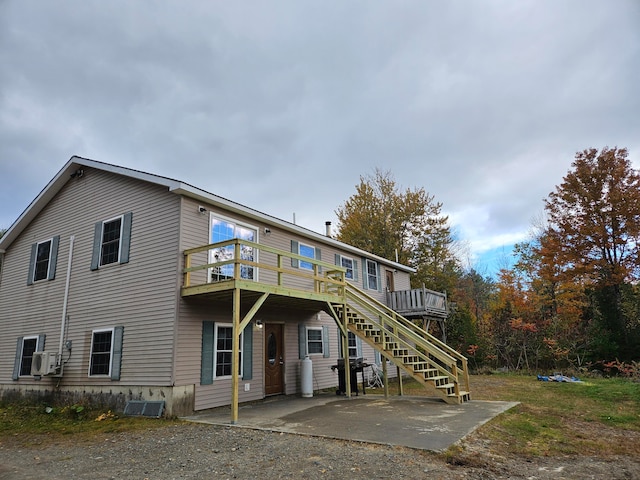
(140, 295)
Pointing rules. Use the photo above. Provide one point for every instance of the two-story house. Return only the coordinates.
(121, 285)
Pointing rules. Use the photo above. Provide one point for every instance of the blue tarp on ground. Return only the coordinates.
(557, 377)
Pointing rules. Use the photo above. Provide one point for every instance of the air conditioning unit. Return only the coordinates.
(43, 363)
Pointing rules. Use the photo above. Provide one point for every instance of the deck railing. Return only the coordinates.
(255, 264)
(418, 300)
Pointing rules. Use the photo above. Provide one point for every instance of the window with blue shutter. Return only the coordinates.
(112, 241)
(43, 260)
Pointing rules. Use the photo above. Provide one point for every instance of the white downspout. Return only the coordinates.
(63, 324)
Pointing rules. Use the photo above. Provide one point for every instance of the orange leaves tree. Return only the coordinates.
(593, 234)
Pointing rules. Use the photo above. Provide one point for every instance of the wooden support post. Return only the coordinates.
(235, 353)
(385, 377)
(345, 353)
(187, 275)
(400, 386)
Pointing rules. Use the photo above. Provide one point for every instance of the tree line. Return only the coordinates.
(571, 298)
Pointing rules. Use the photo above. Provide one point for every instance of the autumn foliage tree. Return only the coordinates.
(385, 220)
(594, 220)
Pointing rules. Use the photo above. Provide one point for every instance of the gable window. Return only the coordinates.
(372, 275)
(106, 351)
(306, 251)
(314, 341)
(224, 229)
(223, 357)
(42, 264)
(111, 241)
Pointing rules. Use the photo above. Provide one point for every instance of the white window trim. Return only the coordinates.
(93, 332)
(302, 263)
(31, 337)
(321, 330)
(35, 261)
(353, 275)
(215, 350)
(377, 277)
(117, 262)
(235, 222)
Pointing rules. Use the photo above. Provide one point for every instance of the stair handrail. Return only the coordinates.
(448, 363)
(395, 315)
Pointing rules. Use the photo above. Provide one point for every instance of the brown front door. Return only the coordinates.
(273, 359)
(389, 286)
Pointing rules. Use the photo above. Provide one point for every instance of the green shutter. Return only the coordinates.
(32, 263)
(247, 352)
(206, 368)
(294, 249)
(97, 243)
(325, 342)
(365, 277)
(53, 260)
(116, 361)
(302, 341)
(125, 246)
(18, 360)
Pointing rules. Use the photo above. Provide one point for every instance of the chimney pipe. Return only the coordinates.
(327, 226)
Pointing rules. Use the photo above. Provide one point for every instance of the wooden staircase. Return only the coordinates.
(430, 361)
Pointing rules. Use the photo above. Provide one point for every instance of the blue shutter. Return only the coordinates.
(40, 344)
(18, 360)
(53, 260)
(377, 358)
(302, 340)
(126, 237)
(355, 270)
(338, 262)
(325, 342)
(116, 361)
(379, 280)
(359, 346)
(206, 368)
(32, 263)
(319, 258)
(97, 243)
(294, 249)
(247, 352)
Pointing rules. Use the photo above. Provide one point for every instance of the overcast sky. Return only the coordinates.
(283, 105)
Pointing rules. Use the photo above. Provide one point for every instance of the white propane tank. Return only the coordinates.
(306, 374)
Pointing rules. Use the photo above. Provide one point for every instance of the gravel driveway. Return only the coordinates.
(195, 451)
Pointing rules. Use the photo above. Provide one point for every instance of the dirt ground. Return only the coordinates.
(195, 451)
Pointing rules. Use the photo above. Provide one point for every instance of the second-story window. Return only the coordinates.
(306, 251)
(372, 275)
(42, 265)
(111, 241)
(223, 229)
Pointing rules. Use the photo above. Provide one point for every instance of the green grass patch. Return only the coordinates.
(36, 424)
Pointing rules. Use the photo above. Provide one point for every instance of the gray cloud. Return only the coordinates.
(482, 104)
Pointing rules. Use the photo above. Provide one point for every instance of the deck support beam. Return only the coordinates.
(235, 354)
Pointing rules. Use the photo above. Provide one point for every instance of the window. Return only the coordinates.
(111, 241)
(223, 357)
(101, 352)
(372, 275)
(314, 340)
(355, 345)
(306, 251)
(347, 263)
(106, 353)
(222, 230)
(42, 265)
(29, 347)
